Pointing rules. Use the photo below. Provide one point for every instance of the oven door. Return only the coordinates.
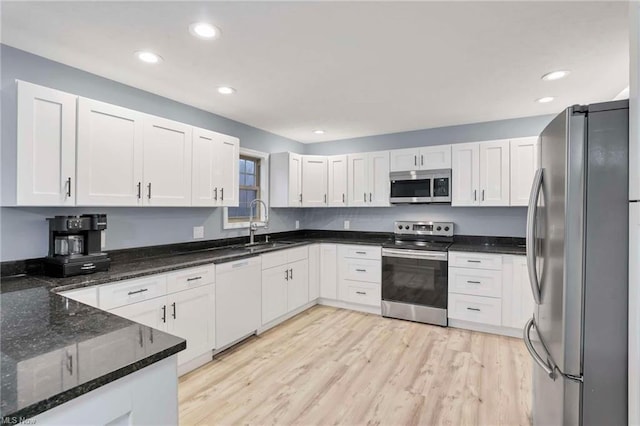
(415, 277)
(410, 190)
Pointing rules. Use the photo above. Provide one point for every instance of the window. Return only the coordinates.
(252, 184)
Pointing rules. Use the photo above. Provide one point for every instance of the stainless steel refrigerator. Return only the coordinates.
(577, 255)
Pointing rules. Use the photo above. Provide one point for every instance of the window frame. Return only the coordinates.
(264, 190)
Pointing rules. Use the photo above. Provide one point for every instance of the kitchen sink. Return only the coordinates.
(265, 246)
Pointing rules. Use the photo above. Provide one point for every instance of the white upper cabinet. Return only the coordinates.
(314, 181)
(214, 169)
(435, 157)
(403, 160)
(337, 181)
(285, 180)
(525, 160)
(425, 158)
(465, 174)
(46, 147)
(368, 180)
(494, 173)
(358, 181)
(167, 162)
(110, 150)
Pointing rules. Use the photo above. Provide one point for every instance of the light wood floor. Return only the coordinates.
(334, 366)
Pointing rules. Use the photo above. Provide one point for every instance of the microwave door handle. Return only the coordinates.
(531, 236)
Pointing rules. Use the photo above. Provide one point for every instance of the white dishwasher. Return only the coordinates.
(238, 300)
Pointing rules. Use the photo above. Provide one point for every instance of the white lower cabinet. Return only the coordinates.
(360, 275)
(329, 271)
(489, 290)
(314, 271)
(285, 282)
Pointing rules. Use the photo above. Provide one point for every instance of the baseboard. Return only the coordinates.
(287, 316)
(376, 310)
(485, 328)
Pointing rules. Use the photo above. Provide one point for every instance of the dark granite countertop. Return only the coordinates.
(54, 349)
(497, 245)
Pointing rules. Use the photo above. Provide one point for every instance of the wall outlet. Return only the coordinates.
(347, 224)
(297, 224)
(198, 232)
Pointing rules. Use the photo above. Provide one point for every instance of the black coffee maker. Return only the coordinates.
(75, 245)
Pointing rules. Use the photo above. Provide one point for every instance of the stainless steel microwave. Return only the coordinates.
(421, 186)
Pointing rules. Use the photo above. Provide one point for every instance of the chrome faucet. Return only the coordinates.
(253, 226)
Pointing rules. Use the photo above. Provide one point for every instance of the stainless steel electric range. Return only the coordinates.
(414, 272)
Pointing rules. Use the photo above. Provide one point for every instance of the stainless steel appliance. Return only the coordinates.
(420, 186)
(75, 245)
(577, 242)
(415, 272)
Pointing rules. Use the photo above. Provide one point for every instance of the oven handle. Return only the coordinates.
(414, 254)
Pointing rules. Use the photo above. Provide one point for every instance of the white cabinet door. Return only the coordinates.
(110, 150)
(517, 301)
(525, 160)
(46, 146)
(191, 316)
(167, 162)
(274, 293)
(227, 178)
(358, 181)
(203, 171)
(298, 284)
(435, 157)
(494, 173)
(337, 181)
(403, 160)
(295, 180)
(378, 177)
(328, 271)
(314, 181)
(314, 271)
(465, 174)
(152, 312)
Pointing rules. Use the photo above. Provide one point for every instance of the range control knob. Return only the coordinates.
(446, 228)
(399, 226)
(439, 228)
(406, 227)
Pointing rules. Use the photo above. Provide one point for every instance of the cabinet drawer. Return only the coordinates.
(132, 291)
(362, 293)
(298, 253)
(273, 259)
(360, 252)
(88, 296)
(477, 282)
(485, 310)
(190, 278)
(361, 270)
(475, 260)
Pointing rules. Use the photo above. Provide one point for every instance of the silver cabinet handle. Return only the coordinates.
(300, 197)
(370, 196)
(531, 236)
(140, 339)
(365, 197)
(139, 190)
(361, 270)
(70, 363)
(415, 160)
(361, 252)
(474, 282)
(215, 193)
(474, 261)
(343, 198)
(69, 187)
(548, 368)
(194, 278)
(291, 273)
(142, 290)
(286, 275)
(475, 195)
(221, 194)
(149, 191)
(421, 160)
(164, 313)
(325, 198)
(473, 309)
(482, 199)
(174, 310)
(361, 292)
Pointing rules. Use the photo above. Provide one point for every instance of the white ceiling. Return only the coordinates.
(351, 68)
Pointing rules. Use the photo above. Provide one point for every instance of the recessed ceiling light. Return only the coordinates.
(204, 30)
(226, 90)
(319, 132)
(555, 75)
(148, 57)
(545, 100)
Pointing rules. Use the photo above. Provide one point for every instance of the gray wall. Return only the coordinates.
(496, 221)
(23, 231)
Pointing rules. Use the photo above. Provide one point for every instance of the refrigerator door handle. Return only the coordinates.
(532, 351)
(531, 236)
